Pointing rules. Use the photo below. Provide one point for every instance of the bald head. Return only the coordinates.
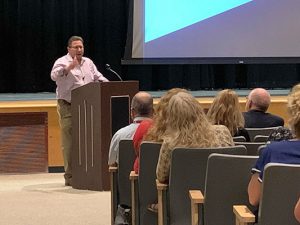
(142, 104)
(259, 99)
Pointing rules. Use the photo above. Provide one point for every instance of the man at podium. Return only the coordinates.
(69, 72)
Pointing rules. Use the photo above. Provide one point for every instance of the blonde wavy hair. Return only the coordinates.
(293, 106)
(187, 124)
(159, 118)
(225, 110)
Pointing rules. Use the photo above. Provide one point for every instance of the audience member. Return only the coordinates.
(279, 152)
(257, 104)
(297, 211)
(153, 133)
(225, 110)
(141, 109)
(280, 134)
(159, 120)
(137, 140)
(187, 126)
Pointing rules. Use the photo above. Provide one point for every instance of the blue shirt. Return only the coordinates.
(278, 152)
(124, 133)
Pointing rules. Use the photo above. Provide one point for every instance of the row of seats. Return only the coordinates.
(223, 182)
(254, 132)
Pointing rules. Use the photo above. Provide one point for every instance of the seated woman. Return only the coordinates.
(297, 211)
(225, 110)
(287, 151)
(280, 134)
(186, 125)
(151, 130)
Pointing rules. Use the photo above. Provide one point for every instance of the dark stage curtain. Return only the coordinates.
(34, 34)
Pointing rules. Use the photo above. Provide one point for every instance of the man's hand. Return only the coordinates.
(72, 65)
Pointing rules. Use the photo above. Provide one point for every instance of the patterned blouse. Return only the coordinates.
(223, 139)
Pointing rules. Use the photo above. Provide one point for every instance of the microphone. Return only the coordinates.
(107, 66)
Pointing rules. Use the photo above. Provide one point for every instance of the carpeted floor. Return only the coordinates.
(42, 199)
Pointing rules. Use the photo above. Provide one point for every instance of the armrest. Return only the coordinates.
(243, 215)
(161, 188)
(112, 169)
(113, 190)
(197, 198)
(133, 177)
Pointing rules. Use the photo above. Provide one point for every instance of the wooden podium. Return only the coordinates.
(98, 111)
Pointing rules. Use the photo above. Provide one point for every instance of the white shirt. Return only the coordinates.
(124, 133)
(82, 74)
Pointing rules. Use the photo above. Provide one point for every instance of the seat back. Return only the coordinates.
(252, 147)
(260, 138)
(280, 192)
(260, 149)
(188, 170)
(227, 178)
(239, 139)
(147, 191)
(259, 131)
(126, 160)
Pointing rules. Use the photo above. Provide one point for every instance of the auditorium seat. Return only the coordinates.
(143, 186)
(187, 172)
(252, 147)
(259, 131)
(227, 178)
(280, 192)
(239, 139)
(119, 177)
(260, 138)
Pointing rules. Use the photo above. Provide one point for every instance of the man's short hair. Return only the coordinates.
(142, 104)
(74, 38)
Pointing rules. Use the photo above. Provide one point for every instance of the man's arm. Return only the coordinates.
(254, 189)
(113, 150)
(97, 75)
(297, 211)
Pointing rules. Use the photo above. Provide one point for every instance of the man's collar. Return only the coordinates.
(70, 59)
(139, 119)
(256, 110)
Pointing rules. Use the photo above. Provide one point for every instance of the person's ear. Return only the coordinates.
(250, 104)
(132, 113)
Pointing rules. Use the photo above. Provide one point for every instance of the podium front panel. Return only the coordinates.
(98, 111)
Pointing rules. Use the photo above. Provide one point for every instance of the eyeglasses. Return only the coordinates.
(77, 47)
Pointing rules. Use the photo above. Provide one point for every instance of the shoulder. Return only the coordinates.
(245, 113)
(281, 146)
(88, 60)
(280, 133)
(275, 117)
(146, 122)
(222, 135)
(220, 129)
(127, 131)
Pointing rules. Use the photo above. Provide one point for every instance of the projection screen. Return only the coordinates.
(214, 31)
